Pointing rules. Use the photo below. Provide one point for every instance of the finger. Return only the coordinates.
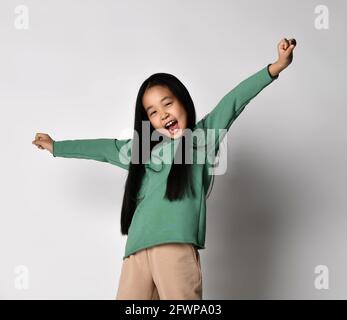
(38, 143)
(292, 41)
(39, 136)
(283, 47)
(291, 48)
(285, 43)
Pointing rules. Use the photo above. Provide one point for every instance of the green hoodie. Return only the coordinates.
(156, 220)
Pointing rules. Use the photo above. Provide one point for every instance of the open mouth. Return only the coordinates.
(172, 126)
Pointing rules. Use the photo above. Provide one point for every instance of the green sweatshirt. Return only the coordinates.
(156, 220)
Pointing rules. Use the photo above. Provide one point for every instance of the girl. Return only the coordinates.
(164, 204)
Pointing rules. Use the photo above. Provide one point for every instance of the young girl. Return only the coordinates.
(164, 203)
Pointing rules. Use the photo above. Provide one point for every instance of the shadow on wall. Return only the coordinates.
(247, 214)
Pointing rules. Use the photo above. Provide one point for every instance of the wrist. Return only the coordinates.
(280, 65)
(275, 69)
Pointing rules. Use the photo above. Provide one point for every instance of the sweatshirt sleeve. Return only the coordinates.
(113, 151)
(231, 105)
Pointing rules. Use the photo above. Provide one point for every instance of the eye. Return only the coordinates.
(168, 103)
(152, 112)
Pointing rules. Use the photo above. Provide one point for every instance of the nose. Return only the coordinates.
(164, 116)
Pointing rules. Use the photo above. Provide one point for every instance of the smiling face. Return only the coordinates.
(161, 107)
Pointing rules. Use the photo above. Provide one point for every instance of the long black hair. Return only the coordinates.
(179, 181)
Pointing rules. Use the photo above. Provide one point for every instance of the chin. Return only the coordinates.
(175, 135)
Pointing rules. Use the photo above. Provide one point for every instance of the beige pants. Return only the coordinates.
(169, 271)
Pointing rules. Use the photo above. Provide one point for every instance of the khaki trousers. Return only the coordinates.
(169, 271)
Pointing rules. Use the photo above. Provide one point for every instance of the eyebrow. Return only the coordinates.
(167, 97)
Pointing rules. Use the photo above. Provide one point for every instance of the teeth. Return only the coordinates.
(171, 122)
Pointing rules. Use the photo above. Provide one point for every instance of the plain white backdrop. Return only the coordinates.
(277, 213)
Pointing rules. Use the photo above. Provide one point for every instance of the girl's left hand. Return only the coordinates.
(285, 51)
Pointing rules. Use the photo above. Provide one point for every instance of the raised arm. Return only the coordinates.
(105, 150)
(234, 102)
(114, 151)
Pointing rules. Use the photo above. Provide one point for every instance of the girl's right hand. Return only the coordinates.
(43, 141)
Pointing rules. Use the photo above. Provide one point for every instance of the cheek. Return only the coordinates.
(155, 123)
(184, 119)
(183, 115)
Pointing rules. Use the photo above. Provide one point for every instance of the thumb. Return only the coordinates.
(291, 47)
(290, 50)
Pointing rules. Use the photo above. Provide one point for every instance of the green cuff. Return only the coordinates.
(53, 149)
